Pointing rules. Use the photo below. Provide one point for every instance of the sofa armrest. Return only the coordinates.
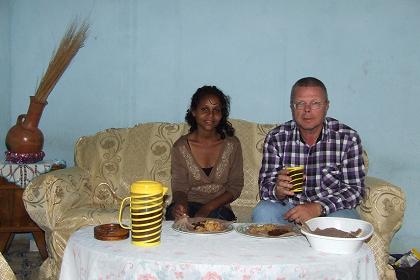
(50, 195)
(70, 222)
(383, 206)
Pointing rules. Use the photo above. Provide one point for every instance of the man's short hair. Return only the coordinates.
(308, 82)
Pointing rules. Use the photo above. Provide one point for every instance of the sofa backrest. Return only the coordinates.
(114, 158)
(251, 136)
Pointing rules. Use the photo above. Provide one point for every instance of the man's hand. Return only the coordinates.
(302, 213)
(283, 185)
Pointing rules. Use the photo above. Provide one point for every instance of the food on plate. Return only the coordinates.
(208, 226)
(278, 231)
(269, 229)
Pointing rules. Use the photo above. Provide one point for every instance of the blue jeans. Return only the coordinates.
(273, 212)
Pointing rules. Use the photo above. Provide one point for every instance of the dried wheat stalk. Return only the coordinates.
(70, 44)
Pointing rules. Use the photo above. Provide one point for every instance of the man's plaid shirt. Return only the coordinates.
(333, 166)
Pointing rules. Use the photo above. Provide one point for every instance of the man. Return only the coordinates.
(330, 152)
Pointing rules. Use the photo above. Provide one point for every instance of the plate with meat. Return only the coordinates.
(268, 230)
(202, 226)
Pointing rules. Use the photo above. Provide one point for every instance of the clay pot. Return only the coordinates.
(25, 137)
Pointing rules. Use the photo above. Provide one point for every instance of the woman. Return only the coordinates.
(207, 172)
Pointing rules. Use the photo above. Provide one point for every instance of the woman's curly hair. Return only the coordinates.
(225, 127)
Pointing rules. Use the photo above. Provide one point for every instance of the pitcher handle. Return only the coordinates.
(120, 214)
(20, 119)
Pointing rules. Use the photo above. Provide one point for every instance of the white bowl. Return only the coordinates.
(337, 245)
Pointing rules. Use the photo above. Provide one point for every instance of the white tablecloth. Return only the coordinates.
(220, 256)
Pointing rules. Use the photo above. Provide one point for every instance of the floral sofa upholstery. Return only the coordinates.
(89, 193)
(6, 271)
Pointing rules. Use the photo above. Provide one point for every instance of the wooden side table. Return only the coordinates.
(13, 215)
(15, 219)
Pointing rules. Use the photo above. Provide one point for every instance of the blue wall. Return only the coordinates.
(144, 59)
(4, 69)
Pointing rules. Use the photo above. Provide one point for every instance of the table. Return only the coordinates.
(13, 215)
(15, 219)
(22, 174)
(219, 256)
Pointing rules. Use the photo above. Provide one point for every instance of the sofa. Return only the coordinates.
(106, 164)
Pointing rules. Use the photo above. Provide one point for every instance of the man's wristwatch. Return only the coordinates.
(323, 211)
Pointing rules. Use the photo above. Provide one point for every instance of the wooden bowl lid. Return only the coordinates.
(109, 232)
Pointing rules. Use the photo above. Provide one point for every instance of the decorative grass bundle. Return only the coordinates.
(69, 46)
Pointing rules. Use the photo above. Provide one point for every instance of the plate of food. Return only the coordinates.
(268, 230)
(202, 226)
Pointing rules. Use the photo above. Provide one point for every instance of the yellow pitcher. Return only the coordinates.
(146, 209)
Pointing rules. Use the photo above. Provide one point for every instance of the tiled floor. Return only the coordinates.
(24, 263)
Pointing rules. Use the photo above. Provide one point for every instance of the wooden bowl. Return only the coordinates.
(109, 232)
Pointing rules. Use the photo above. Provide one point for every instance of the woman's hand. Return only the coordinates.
(204, 211)
(179, 211)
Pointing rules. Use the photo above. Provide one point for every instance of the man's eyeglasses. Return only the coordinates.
(314, 105)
